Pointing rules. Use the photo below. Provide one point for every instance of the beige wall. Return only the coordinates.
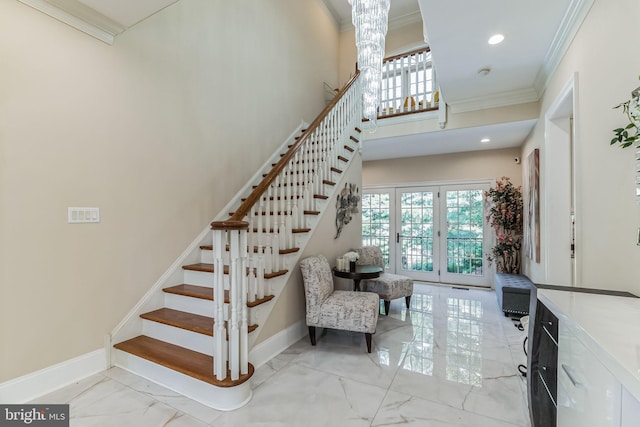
(607, 212)
(489, 164)
(158, 131)
(290, 307)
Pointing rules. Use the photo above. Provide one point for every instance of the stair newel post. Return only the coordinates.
(234, 297)
(219, 336)
(244, 311)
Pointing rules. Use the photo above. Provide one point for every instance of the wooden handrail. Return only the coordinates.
(236, 221)
(402, 55)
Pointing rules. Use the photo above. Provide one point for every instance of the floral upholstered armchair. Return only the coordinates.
(328, 308)
(388, 286)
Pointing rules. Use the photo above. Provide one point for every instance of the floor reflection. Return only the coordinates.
(426, 370)
(461, 350)
(464, 341)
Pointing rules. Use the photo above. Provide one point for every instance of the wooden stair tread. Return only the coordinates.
(180, 359)
(183, 320)
(343, 159)
(295, 230)
(351, 150)
(299, 184)
(255, 248)
(202, 292)
(286, 213)
(208, 268)
(280, 198)
(193, 291)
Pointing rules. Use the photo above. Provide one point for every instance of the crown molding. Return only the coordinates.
(80, 17)
(409, 18)
(571, 22)
(396, 22)
(503, 99)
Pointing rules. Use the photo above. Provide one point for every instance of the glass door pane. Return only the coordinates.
(417, 219)
(463, 245)
(377, 206)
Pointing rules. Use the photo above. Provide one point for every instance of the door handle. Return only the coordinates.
(397, 237)
(567, 370)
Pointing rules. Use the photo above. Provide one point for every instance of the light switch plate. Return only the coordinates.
(83, 215)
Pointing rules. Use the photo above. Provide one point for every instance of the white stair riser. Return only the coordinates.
(190, 305)
(201, 278)
(206, 256)
(220, 398)
(187, 339)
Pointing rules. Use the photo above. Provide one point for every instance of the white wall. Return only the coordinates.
(607, 212)
(158, 131)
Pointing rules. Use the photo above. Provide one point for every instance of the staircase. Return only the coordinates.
(193, 330)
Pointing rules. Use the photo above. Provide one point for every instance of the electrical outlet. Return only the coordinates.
(83, 215)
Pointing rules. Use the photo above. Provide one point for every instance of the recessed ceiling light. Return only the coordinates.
(496, 38)
(484, 71)
(485, 140)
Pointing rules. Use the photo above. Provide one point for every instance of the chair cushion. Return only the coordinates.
(349, 310)
(318, 285)
(389, 286)
(370, 255)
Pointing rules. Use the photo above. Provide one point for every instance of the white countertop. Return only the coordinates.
(609, 326)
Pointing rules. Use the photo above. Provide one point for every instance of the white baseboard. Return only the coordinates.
(271, 347)
(36, 384)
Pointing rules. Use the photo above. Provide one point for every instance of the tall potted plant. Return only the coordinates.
(505, 217)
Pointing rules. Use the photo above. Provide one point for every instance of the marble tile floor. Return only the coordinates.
(451, 360)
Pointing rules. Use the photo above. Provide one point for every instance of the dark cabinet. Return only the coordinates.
(543, 367)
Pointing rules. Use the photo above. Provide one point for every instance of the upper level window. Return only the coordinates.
(408, 84)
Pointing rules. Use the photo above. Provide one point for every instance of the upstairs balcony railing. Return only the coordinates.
(408, 84)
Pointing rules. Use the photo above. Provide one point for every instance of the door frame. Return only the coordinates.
(487, 240)
(488, 236)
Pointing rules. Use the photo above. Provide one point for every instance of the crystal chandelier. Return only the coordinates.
(370, 18)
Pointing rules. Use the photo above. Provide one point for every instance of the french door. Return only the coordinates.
(430, 233)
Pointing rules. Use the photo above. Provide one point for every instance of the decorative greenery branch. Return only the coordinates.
(629, 134)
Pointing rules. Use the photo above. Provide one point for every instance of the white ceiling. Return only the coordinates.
(457, 32)
(503, 135)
